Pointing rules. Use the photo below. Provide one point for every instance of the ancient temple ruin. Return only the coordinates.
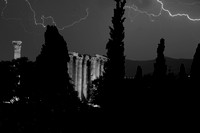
(83, 69)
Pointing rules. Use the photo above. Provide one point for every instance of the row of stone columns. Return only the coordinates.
(83, 69)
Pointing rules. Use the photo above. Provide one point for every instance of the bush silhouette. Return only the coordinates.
(24, 76)
(7, 81)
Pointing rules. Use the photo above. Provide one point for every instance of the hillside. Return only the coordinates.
(148, 66)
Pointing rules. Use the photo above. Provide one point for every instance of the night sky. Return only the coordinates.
(84, 25)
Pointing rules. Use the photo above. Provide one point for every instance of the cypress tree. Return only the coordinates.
(114, 68)
(115, 46)
(160, 68)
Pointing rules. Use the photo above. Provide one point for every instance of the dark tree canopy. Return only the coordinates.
(24, 70)
(195, 68)
(7, 80)
(52, 72)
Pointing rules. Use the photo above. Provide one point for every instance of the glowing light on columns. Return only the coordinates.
(17, 49)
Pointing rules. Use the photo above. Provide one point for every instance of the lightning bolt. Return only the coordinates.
(53, 21)
(43, 18)
(135, 8)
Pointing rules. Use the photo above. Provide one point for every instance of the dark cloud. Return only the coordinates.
(142, 4)
(189, 1)
(91, 35)
(105, 3)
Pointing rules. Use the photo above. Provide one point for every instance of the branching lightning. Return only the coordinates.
(53, 21)
(162, 8)
(43, 18)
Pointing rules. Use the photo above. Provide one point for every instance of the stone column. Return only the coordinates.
(101, 67)
(93, 67)
(104, 60)
(74, 70)
(89, 73)
(70, 66)
(79, 81)
(84, 77)
(17, 49)
(76, 74)
(97, 68)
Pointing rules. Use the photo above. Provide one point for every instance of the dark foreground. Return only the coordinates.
(147, 111)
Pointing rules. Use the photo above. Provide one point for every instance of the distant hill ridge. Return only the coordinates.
(148, 66)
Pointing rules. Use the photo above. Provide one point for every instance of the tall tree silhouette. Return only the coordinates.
(115, 46)
(53, 83)
(160, 68)
(182, 73)
(195, 68)
(138, 75)
(114, 68)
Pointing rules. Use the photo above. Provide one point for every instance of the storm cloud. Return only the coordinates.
(91, 35)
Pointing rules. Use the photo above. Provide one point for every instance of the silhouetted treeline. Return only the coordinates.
(195, 71)
(109, 86)
(42, 89)
(7, 80)
(53, 81)
(162, 90)
(46, 80)
(45, 90)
